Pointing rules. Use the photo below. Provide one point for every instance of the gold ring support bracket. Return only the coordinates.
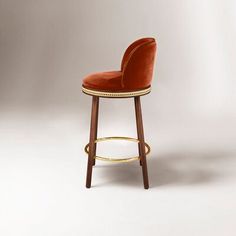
(116, 159)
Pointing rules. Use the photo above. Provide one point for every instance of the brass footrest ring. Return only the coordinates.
(116, 159)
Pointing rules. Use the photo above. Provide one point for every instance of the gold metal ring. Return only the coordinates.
(116, 94)
(116, 159)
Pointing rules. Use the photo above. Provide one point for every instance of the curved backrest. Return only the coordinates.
(131, 47)
(137, 64)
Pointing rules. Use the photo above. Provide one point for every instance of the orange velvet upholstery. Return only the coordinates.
(135, 73)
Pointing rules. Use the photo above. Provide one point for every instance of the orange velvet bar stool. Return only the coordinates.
(131, 81)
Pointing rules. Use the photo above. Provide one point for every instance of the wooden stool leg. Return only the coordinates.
(138, 112)
(93, 136)
(96, 131)
(138, 134)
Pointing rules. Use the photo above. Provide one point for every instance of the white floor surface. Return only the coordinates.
(192, 172)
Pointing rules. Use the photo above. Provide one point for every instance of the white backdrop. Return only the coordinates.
(46, 48)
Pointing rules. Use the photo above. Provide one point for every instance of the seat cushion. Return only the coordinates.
(104, 81)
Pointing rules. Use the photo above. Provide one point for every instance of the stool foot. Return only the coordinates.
(139, 123)
(93, 137)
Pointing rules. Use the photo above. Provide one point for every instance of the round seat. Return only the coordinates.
(134, 77)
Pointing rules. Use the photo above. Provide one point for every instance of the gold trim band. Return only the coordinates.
(116, 94)
(116, 159)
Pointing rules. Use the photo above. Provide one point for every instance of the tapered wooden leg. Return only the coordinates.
(140, 132)
(93, 136)
(96, 131)
(139, 138)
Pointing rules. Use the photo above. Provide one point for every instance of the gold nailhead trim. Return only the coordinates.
(116, 94)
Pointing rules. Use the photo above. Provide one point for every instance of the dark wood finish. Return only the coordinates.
(93, 136)
(96, 131)
(138, 134)
(139, 122)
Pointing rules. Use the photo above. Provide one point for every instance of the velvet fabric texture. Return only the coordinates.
(135, 73)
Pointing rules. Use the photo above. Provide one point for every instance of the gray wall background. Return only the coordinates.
(47, 47)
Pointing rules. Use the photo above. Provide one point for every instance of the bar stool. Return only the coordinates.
(131, 81)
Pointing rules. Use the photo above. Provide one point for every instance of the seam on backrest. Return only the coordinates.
(148, 39)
